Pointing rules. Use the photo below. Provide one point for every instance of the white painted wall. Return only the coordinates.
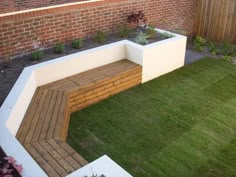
(163, 57)
(134, 52)
(157, 59)
(17, 102)
(102, 166)
(79, 62)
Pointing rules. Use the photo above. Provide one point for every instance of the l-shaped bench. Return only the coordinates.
(43, 131)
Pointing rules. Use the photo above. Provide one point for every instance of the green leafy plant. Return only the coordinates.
(142, 39)
(101, 37)
(77, 43)
(60, 48)
(151, 32)
(227, 58)
(200, 40)
(124, 32)
(37, 55)
(166, 35)
(227, 49)
(212, 48)
(199, 43)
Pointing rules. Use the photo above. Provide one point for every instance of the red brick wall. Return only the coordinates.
(7, 6)
(20, 32)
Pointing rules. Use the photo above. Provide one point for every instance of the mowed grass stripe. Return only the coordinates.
(172, 126)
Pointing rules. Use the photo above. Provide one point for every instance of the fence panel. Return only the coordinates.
(216, 20)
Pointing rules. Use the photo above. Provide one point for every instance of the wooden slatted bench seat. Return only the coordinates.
(43, 130)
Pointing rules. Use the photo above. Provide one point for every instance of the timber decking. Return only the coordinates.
(43, 130)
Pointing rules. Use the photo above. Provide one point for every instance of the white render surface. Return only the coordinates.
(102, 166)
(156, 59)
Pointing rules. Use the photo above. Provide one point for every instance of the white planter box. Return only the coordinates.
(160, 57)
(156, 59)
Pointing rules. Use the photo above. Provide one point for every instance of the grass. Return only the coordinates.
(182, 124)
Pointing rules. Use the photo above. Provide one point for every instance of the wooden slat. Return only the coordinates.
(103, 89)
(35, 117)
(60, 117)
(25, 125)
(55, 114)
(42, 116)
(48, 116)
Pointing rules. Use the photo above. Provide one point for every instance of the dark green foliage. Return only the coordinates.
(37, 55)
(199, 43)
(227, 49)
(101, 37)
(77, 43)
(181, 124)
(60, 48)
(212, 48)
(124, 32)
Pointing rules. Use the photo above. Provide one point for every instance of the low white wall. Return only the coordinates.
(158, 58)
(134, 52)
(163, 57)
(16, 103)
(79, 62)
(102, 166)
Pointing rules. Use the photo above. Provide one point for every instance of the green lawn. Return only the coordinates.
(182, 124)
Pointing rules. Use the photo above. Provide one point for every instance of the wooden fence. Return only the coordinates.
(216, 20)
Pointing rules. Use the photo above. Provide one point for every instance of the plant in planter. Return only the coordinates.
(151, 32)
(101, 37)
(9, 166)
(77, 43)
(60, 48)
(138, 18)
(124, 32)
(37, 55)
(166, 35)
(142, 39)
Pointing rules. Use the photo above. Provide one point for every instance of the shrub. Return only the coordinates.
(212, 48)
(60, 48)
(37, 55)
(77, 43)
(124, 32)
(8, 166)
(142, 39)
(227, 58)
(138, 17)
(200, 40)
(227, 49)
(101, 37)
(151, 32)
(199, 43)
